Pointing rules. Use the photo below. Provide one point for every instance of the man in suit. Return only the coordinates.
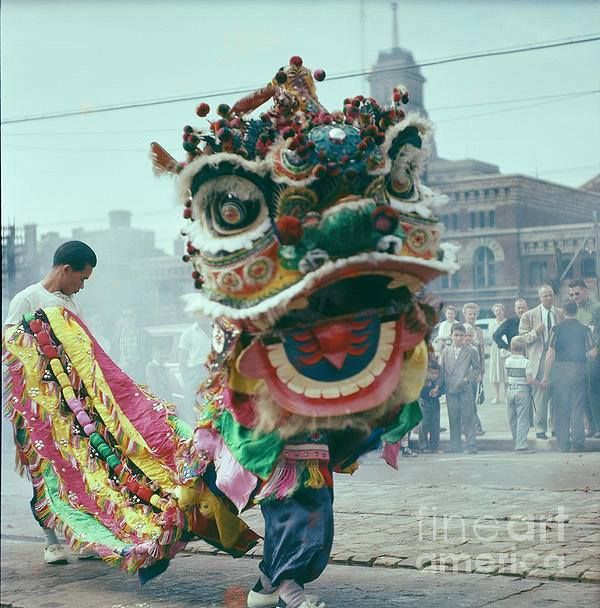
(535, 326)
(459, 369)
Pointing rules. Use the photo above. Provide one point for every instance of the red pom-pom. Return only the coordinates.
(195, 274)
(35, 326)
(385, 219)
(43, 339)
(296, 60)
(319, 75)
(289, 229)
(397, 96)
(187, 213)
(50, 352)
(202, 109)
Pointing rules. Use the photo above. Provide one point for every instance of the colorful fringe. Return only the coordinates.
(290, 475)
(101, 452)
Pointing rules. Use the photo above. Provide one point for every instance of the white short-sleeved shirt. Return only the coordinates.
(197, 344)
(37, 296)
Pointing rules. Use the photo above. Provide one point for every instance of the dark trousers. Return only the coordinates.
(298, 536)
(592, 403)
(429, 436)
(461, 418)
(569, 389)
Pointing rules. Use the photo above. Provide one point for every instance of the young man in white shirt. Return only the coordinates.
(72, 266)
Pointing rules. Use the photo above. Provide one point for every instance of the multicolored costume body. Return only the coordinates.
(311, 238)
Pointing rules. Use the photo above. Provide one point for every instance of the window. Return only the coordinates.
(452, 282)
(545, 245)
(537, 273)
(472, 219)
(492, 218)
(588, 267)
(454, 221)
(484, 270)
(481, 219)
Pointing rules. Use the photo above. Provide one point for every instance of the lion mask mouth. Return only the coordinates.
(342, 352)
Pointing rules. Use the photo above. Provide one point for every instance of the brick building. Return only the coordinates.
(515, 232)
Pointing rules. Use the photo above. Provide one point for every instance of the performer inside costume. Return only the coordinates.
(310, 240)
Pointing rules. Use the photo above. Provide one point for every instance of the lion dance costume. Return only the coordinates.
(311, 238)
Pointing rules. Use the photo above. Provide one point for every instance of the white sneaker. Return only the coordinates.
(262, 600)
(55, 554)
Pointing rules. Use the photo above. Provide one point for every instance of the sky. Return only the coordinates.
(535, 113)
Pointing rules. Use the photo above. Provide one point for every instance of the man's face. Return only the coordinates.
(74, 280)
(471, 315)
(451, 314)
(469, 337)
(578, 294)
(458, 338)
(546, 297)
(520, 308)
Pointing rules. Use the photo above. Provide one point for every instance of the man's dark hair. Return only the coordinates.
(76, 254)
(458, 327)
(570, 309)
(578, 283)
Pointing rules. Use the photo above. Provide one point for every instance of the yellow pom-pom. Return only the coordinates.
(155, 500)
(68, 393)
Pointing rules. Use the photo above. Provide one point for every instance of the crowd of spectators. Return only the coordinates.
(542, 363)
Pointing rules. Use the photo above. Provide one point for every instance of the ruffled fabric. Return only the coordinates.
(103, 453)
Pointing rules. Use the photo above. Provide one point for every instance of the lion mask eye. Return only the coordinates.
(230, 204)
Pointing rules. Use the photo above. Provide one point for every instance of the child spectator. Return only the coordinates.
(429, 435)
(519, 400)
(459, 369)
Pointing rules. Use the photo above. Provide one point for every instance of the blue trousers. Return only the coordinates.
(298, 536)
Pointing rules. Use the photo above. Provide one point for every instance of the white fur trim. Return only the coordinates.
(186, 177)
(207, 243)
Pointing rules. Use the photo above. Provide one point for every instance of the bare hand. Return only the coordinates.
(434, 391)
(539, 330)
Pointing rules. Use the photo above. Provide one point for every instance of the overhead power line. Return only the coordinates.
(512, 100)
(353, 74)
(141, 147)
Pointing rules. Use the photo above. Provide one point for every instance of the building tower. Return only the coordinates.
(397, 66)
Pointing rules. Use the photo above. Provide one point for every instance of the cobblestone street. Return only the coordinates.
(434, 533)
